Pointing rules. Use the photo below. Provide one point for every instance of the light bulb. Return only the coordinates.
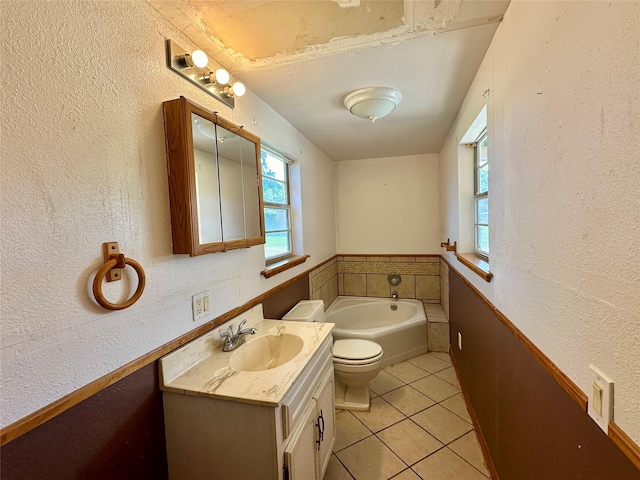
(199, 58)
(222, 76)
(238, 89)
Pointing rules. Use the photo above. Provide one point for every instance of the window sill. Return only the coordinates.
(476, 264)
(282, 265)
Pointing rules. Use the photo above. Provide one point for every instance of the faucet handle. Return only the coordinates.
(240, 326)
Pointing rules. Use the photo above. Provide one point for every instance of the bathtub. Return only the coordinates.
(402, 333)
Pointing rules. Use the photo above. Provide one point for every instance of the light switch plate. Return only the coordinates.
(601, 410)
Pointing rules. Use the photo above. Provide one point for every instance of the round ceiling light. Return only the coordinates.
(373, 102)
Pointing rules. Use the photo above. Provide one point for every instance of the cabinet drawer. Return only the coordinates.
(304, 387)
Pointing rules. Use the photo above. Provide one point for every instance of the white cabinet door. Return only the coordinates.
(300, 452)
(325, 401)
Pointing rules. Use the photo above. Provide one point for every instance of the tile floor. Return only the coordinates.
(418, 427)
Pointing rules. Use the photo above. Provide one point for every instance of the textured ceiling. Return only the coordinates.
(304, 57)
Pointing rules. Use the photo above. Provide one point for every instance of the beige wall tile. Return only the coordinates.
(428, 259)
(355, 259)
(428, 287)
(402, 259)
(407, 288)
(341, 284)
(377, 286)
(317, 295)
(377, 259)
(438, 337)
(355, 284)
(332, 290)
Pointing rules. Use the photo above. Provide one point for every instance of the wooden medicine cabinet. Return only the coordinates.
(215, 183)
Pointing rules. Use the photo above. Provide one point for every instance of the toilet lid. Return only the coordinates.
(356, 349)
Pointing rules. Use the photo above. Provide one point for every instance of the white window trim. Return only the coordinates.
(280, 206)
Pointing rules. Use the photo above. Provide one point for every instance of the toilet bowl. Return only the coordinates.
(355, 361)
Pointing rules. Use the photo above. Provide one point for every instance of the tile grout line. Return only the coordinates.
(409, 417)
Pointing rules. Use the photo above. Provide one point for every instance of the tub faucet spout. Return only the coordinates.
(394, 295)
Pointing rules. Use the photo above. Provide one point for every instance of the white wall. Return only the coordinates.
(563, 122)
(83, 162)
(388, 205)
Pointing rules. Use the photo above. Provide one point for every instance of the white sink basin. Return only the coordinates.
(266, 352)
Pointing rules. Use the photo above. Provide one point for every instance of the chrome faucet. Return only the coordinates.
(394, 295)
(233, 341)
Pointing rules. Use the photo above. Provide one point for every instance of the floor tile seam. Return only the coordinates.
(399, 473)
(464, 459)
(352, 444)
(430, 373)
(445, 380)
(445, 407)
(424, 394)
(456, 414)
(408, 382)
(380, 440)
(417, 461)
(436, 402)
(393, 389)
(444, 444)
(344, 466)
(363, 424)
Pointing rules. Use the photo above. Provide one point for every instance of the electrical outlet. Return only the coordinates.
(459, 341)
(200, 305)
(600, 406)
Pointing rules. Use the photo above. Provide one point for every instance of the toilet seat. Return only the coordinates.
(355, 351)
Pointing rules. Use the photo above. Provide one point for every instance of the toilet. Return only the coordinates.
(355, 361)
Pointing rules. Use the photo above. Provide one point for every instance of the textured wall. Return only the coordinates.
(388, 205)
(83, 162)
(561, 84)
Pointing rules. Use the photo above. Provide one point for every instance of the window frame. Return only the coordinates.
(478, 196)
(278, 206)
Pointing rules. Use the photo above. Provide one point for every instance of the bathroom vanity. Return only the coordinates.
(262, 411)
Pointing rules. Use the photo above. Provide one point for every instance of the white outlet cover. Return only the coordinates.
(606, 384)
(200, 297)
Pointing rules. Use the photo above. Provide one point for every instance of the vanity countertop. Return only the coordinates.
(202, 368)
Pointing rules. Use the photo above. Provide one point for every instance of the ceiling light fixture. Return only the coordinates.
(194, 67)
(373, 103)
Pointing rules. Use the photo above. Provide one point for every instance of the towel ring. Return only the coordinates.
(118, 261)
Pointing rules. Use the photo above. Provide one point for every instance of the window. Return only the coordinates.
(277, 208)
(481, 197)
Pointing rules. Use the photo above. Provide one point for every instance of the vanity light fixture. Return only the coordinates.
(195, 59)
(372, 103)
(195, 68)
(236, 90)
(220, 77)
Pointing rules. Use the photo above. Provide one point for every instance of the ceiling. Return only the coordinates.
(304, 57)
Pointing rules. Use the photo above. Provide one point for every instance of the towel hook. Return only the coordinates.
(115, 262)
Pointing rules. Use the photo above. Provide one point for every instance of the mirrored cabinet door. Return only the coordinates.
(205, 160)
(215, 185)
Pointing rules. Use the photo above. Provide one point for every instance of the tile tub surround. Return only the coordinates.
(366, 276)
(416, 428)
(438, 336)
(202, 368)
(323, 282)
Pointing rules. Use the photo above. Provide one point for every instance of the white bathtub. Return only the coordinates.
(402, 333)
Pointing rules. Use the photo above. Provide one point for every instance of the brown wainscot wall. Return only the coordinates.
(118, 433)
(532, 427)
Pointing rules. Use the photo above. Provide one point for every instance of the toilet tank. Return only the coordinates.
(306, 311)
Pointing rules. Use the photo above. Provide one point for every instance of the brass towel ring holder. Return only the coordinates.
(112, 270)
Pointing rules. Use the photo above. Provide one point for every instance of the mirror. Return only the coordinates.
(214, 181)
